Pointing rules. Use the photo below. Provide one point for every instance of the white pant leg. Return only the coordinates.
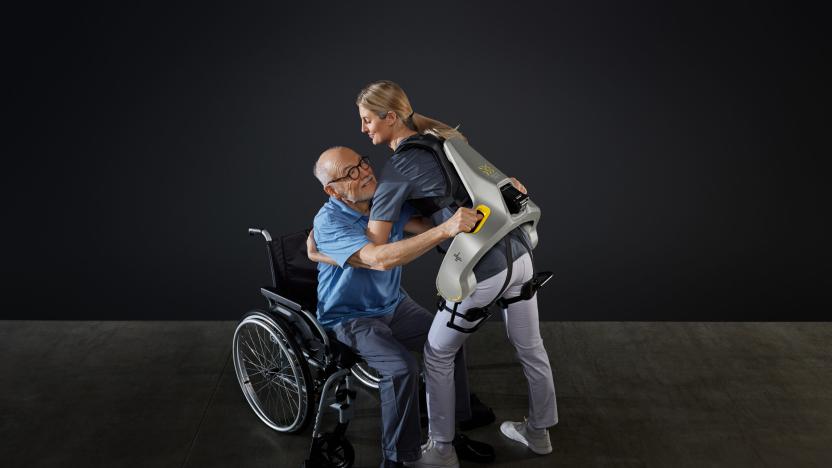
(440, 349)
(523, 331)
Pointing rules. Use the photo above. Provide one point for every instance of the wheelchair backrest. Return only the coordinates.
(294, 276)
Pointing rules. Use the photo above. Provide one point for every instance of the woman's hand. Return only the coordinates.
(463, 220)
(516, 183)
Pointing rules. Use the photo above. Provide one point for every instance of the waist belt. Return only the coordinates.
(528, 290)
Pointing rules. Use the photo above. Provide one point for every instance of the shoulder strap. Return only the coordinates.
(455, 192)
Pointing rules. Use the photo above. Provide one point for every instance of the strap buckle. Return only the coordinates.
(529, 289)
(474, 314)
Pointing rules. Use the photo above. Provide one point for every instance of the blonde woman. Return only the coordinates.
(412, 174)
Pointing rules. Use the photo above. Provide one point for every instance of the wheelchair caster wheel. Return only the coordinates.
(330, 451)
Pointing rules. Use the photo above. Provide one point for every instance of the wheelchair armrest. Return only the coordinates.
(303, 317)
(272, 295)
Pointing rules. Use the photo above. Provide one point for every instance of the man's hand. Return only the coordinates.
(516, 183)
(311, 247)
(314, 255)
(462, 221)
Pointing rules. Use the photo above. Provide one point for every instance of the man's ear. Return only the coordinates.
(331, 192)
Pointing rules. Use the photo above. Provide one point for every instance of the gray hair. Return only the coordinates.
(321, 170)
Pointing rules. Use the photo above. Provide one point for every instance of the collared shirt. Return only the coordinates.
(346, 292)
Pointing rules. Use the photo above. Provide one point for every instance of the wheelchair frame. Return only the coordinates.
(285, 363)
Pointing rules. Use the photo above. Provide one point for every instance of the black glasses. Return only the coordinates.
(353, 172)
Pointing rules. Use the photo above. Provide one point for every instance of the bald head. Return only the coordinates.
(330, 160)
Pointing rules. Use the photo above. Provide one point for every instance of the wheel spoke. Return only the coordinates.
(256, 366)
(272, 373)
(249, 345)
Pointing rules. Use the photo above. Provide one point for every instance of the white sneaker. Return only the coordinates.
(437, 456)
(537, 440)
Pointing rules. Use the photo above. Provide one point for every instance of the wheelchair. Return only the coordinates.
(288, 367)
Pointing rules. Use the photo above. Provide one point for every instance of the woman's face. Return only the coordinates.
(379, 130)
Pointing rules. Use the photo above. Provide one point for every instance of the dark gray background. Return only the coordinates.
(676, 152)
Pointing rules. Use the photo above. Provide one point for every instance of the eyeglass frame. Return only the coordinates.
(363, 163)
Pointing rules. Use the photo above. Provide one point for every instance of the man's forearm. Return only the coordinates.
(388, 256)
(418, 225)
(318, 257)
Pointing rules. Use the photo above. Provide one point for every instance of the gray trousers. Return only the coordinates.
(522, 330)
(385, 343)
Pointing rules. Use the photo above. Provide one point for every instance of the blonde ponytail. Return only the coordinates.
(436, 128)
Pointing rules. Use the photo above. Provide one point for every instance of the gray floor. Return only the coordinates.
(163, 394)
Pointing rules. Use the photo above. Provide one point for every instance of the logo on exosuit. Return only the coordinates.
(487, 170)
(457, 257)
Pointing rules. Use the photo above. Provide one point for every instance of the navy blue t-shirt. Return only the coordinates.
(414, 173)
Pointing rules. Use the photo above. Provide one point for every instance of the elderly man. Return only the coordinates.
(361, 300)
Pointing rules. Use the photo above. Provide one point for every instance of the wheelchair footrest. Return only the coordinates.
(344, 410)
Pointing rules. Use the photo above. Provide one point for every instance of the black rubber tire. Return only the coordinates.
(260, 339)
(337, 452)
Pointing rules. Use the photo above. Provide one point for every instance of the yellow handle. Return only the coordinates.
(486, 211)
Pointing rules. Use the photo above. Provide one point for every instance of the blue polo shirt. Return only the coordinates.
(345, 292)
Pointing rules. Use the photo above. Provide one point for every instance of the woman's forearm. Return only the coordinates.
(379, 231)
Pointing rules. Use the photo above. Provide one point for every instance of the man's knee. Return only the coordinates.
(400, 365)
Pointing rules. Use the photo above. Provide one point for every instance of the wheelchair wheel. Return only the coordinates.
(272, 372)
(366, 375)
(330, 451)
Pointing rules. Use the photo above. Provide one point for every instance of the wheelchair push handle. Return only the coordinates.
(263, 232)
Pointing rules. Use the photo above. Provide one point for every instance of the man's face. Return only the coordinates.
(346, 165)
